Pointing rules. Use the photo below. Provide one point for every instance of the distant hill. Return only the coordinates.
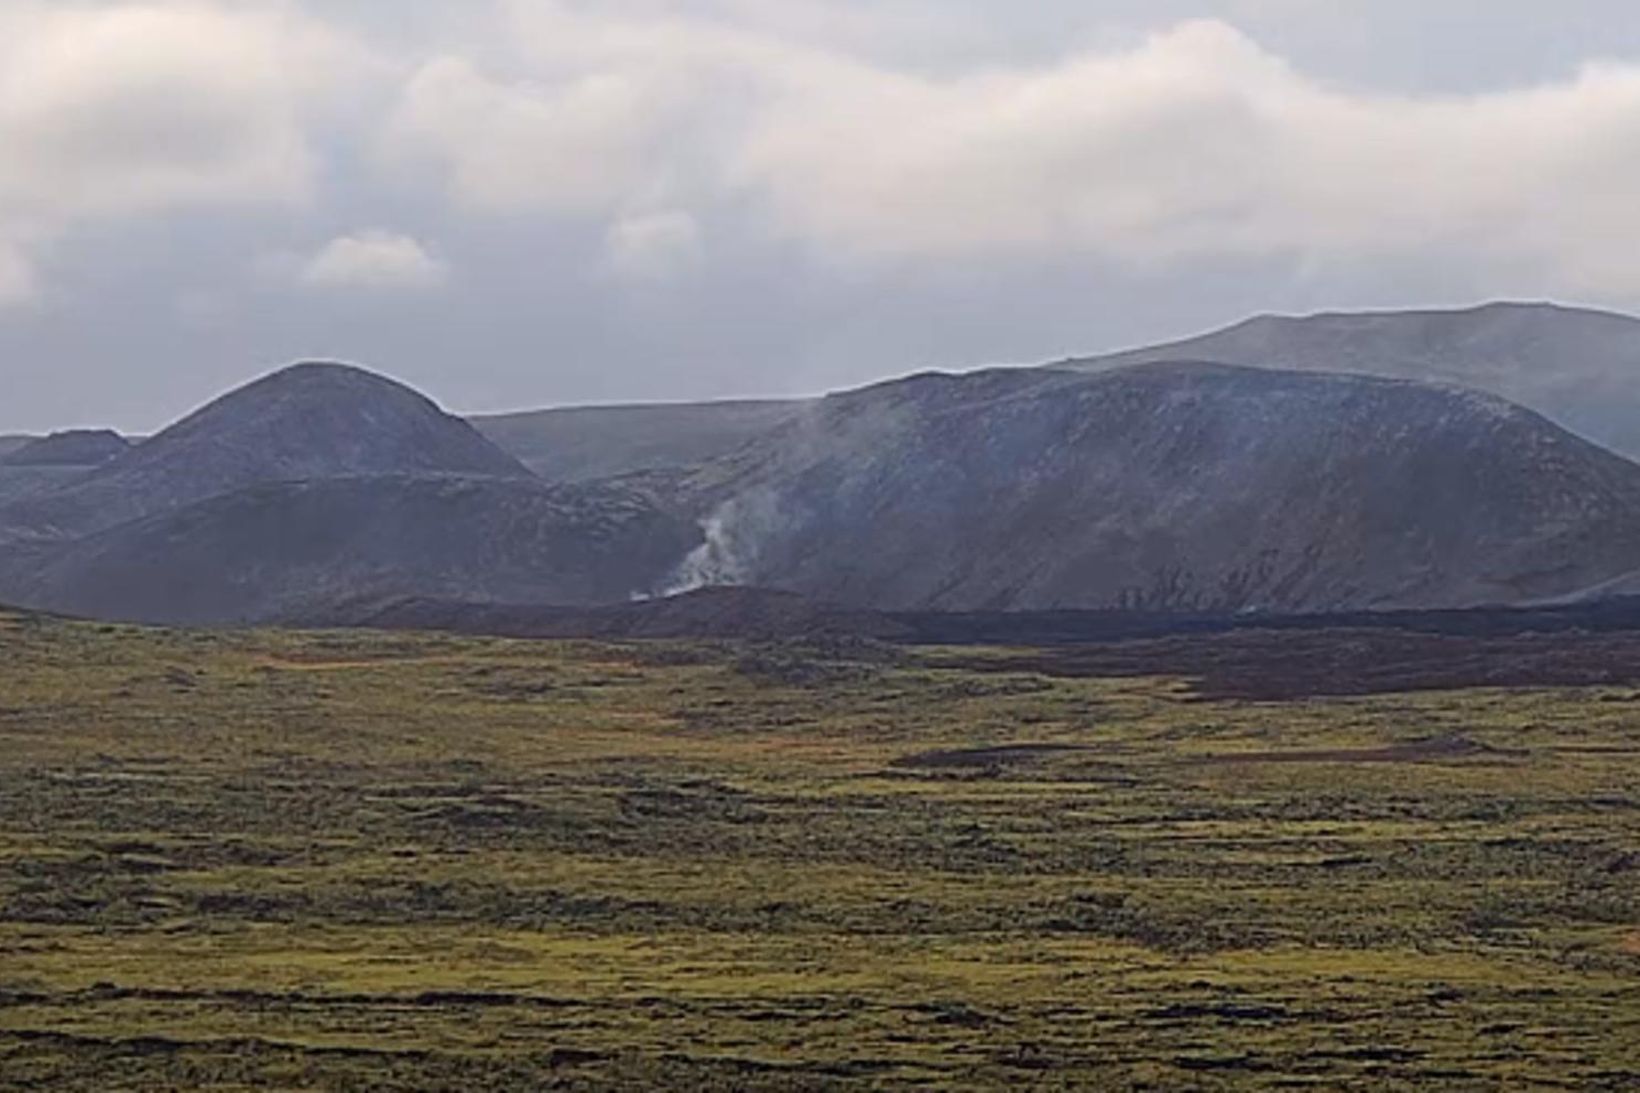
(71, 448)
(318, 483)
(12, 441)
(306, 421)
(1177, 487)
(582, 443)
(1579, 367)
(40, 464)
(323, 493)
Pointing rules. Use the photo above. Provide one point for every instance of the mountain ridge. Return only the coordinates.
(1187, 486)
(1578, 366)
(68, 448)
(1196, 486)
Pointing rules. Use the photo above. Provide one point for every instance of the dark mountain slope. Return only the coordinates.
(71, 448)
(1579, 367)
(291, 551)
(17, 483)
(582, 443)
(309, 421)
(1180, 487)
(40, 464)
(317, 485)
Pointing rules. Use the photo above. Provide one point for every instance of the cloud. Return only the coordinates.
(18, 286)
(375, 260)
(652, 245)
(118, 110)
(574, 147)
(1200, 144)
(1194, 143)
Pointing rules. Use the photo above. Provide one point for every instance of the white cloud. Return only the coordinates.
(18, 286)
(652, 245)
(376, 260)
(1195, 143)
(1200, 143)
(573, 147)
(806, 121)
(122, 109)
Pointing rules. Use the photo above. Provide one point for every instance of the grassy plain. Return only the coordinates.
(368, 861)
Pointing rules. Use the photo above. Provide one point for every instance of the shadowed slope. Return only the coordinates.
(1179, 486)
(284, 551)
(587, 442)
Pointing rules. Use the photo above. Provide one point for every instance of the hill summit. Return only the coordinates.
(309, 421)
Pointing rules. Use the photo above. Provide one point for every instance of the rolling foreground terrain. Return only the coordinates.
(355, 860)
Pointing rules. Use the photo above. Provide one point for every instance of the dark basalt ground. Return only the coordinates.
(1268, 665)
(1227, 657)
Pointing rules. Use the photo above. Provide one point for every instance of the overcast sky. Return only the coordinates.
(518, 203)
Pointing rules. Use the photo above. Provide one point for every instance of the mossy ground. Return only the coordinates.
(361, 861)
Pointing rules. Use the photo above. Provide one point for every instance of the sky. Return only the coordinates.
(522, 203)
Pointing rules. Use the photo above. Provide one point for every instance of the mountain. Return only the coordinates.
(327, 494)
(317, 485)
(39, 464)
(308, 421)
(291, 552)
(1181, 487)
(71, 448)
(1577, 366)
(10, 442)
(583, 443)
(17, 483)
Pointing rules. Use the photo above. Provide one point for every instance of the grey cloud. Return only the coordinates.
(659, 198)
